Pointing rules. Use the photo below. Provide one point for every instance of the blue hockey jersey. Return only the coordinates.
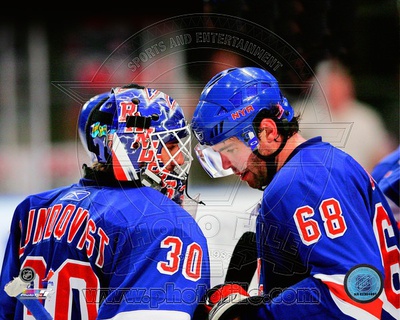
(106, 252)
(327, 240)
(387, 174)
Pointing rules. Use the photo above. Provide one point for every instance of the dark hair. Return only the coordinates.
(285, 128)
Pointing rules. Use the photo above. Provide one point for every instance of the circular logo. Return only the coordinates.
(27, 274)
(363, 283)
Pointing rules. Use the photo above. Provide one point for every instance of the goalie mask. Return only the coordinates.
(142, 133)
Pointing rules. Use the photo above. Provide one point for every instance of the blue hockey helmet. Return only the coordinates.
(130, 127)
(231, 100)
(228, 106)
(86, 118)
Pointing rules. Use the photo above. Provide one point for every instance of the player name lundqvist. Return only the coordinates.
(57, 221)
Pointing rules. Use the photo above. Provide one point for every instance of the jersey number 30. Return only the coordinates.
(192, 260)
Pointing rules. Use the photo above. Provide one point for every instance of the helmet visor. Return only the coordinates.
(211, 161)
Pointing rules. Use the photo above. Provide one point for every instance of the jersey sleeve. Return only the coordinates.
(11, 268)
(390, 185)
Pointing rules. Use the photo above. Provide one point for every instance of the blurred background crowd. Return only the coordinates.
(52, 63)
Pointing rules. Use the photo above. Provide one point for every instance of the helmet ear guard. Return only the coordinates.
(97, 116)
(282, 117)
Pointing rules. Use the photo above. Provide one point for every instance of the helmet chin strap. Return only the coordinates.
(270, 162)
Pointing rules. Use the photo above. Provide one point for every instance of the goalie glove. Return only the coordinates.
(229, 301)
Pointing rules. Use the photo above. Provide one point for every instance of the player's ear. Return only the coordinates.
(268, 130)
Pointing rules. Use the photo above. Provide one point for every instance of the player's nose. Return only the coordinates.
(226, 163)
(177, 160)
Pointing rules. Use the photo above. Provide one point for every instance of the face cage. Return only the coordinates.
(211, 161)
(181, 171)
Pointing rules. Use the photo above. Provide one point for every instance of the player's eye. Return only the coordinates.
(230, 150)
(172, 147)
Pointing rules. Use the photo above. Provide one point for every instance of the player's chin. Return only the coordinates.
(251, 180)
(254, 185)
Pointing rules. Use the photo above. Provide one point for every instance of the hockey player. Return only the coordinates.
(387, 174)
(114, 245)
(327, 241)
